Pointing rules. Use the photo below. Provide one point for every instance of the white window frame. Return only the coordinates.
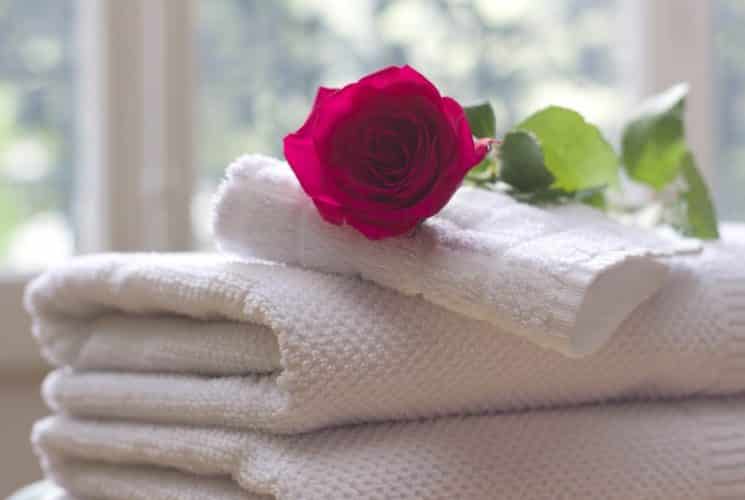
(136, 118)
(137, 123)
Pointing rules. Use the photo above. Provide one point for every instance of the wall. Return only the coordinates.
(20, 406)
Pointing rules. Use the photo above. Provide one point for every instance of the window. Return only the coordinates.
(165, 93)
(261, 62)
(118, 117)
(37, 124)
(729, 45)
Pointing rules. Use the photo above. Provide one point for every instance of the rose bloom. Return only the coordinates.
(384, 153)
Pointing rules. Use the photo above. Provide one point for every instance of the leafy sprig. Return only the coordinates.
(555, 156)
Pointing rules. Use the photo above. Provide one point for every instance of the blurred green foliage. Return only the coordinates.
(729, 45)
(261, 62)
(37, 69)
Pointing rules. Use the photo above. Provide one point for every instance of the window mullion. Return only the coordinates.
(136, 125)
(169, 121)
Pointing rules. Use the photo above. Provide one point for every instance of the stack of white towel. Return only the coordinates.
(503, 351)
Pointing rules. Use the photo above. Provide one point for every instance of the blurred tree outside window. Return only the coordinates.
(260, 63)
(37, 122)
(729, 95)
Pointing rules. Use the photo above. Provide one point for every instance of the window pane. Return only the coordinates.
(730, 107)
(261, 62)
(36, 131)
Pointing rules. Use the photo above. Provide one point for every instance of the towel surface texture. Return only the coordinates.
(200, 339)
(626, 452)
(500, 351)
(564, 279)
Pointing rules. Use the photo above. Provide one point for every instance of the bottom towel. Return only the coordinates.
(634, 451)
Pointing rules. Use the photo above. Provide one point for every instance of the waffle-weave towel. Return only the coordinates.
(201, 339)
(681, 451)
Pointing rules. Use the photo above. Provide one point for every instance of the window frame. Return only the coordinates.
(136, 114)
(136, 118)
(141, 118)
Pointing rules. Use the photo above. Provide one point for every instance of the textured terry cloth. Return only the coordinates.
(635, 451)
(565, 279)
(103, 481)
(350, 351)
(160, 343)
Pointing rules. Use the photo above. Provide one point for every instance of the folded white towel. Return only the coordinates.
(692, 450)
(102, 481)
(565, 279)
(160, 343)
(296, 350)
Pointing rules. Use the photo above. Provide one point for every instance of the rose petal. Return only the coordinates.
(453, 168)
(300, 153)
(396, 77)
(330, 209)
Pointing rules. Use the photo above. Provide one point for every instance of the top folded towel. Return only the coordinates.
(564, 278)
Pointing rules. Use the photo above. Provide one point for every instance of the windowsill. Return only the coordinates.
(19, 352)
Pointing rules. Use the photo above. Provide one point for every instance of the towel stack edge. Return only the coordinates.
(500, 351)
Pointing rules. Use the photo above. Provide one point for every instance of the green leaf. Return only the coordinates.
(701, 216)
(653, 144)
(594, 197)
(482, 120)
(485, 171)
(523, 166)
(575, 151)
(483, 174)
(545, 196)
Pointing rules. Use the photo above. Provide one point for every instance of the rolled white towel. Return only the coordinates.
(202, 339)
(681, 451)
(564, 279)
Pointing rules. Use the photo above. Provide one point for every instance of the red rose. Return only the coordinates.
(384, 153)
